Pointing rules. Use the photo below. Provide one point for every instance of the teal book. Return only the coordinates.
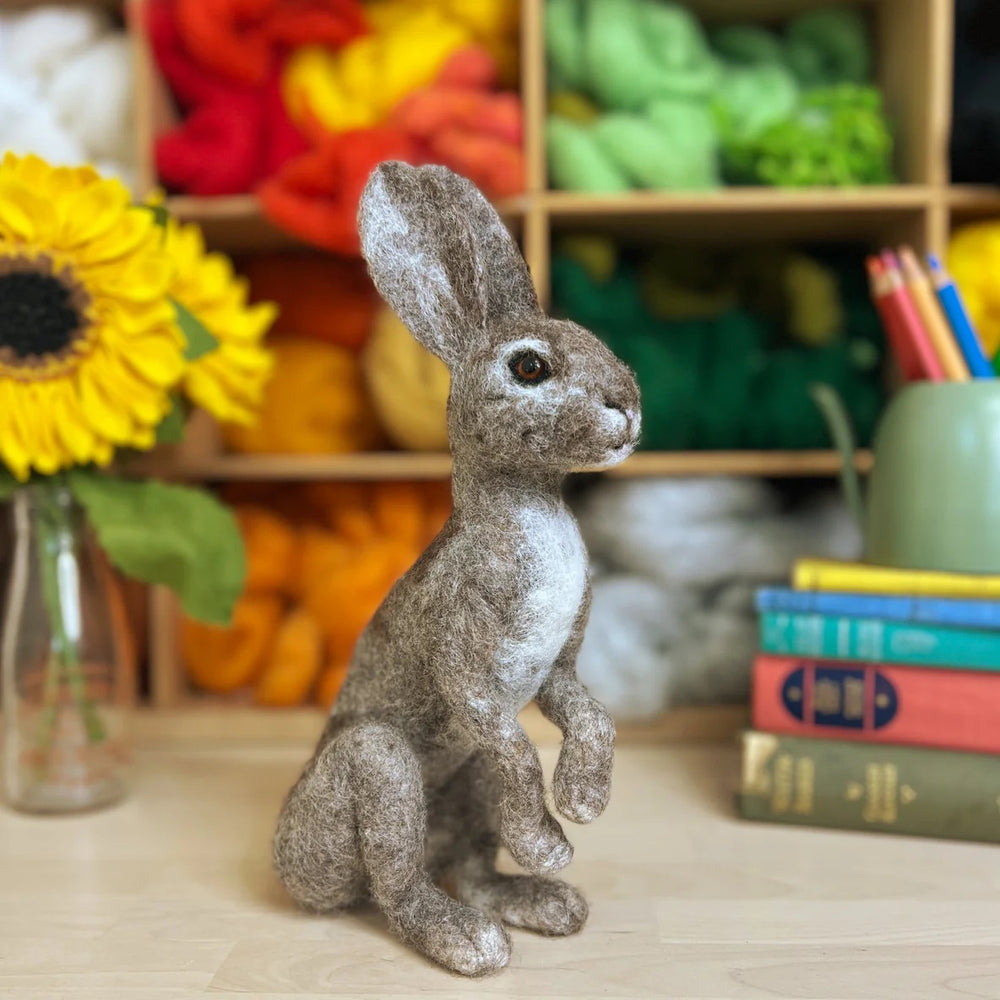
(872, 640)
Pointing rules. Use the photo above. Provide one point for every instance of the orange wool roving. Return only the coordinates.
(463, 123)
(316, 402)
(271, 546)
(315, 196)
(372, 536)
(322, 296)
(293, 663)
(316, 573)
(222, 659)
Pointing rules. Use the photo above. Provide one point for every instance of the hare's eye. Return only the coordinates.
(528, 368)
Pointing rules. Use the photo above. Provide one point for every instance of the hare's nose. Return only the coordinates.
(630, 414)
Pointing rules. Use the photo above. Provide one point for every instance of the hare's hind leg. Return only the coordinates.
(356, 822)
(463, 827)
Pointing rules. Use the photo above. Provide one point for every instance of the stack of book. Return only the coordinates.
(876, 702)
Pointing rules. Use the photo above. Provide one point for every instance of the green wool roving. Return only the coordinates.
(678, 109)
(719, 346)
(827, 46)
(750, 99)
(636, 51)
(836, 136)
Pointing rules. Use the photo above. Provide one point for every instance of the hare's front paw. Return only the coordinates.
(541, 849)
(581, 784)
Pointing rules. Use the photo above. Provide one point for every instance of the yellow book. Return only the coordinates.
(864, 578)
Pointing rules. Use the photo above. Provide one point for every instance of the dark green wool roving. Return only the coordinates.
(731, 377)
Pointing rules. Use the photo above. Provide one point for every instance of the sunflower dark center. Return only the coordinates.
(37, 314)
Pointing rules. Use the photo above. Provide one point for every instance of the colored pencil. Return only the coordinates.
(906, 357)
(935, 323)
(958, 317)
(917, 358)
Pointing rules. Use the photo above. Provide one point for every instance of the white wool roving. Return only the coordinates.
(36, 41)
(625, 659)
(65, 88)
(701, 531)
(28, 125)
(104, 125)
(677, 563)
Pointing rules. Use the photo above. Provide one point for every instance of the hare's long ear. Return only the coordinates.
(441, 256)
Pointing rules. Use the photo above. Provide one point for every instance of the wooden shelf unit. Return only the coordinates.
(914, 69)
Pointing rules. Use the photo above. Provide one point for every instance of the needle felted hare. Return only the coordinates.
(423, 769)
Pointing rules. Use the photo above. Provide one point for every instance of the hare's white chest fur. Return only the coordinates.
(554, 557)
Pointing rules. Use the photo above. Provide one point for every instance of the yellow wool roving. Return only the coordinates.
(973, 260)
(408, 386)
(316, 402)
(358, 85)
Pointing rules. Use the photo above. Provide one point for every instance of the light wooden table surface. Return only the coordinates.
(169, 896)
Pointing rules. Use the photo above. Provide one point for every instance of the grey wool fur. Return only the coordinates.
(423, 769)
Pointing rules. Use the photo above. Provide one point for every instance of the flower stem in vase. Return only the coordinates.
(60, 586)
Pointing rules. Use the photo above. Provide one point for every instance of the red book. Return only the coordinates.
(877, 703)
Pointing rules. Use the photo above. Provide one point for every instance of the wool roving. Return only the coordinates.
(36, 41)
(324, 555)
(222, 659)
(725, 344)
(294, 662)
(835, 136)
(462, 122)
(422, 770)
(231, 134)
(675, 108)
(315, 402)
(408, 386)
(707, 531)
(245, 42)
(973, 259)
(51, 58)
(677, 563)
(324, 296)
(315, 196)
(28, 124)
(408, 44)
(627, 657)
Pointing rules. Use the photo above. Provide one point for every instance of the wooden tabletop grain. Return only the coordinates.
(169, 896)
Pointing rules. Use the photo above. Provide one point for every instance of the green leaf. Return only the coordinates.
(160, 213)
(199, 341)
(171, 427)
(177, 536)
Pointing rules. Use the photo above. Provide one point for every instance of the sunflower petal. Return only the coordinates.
(74, 431)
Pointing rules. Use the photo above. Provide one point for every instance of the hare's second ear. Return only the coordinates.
(441, 256)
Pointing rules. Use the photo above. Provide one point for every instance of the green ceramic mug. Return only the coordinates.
(933, 496)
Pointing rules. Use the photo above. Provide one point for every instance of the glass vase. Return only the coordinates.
(66, 691)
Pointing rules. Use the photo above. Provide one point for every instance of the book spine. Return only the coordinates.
(951, 612)
(877, 641)
(825, 574)
(851, 786)
(884, 703)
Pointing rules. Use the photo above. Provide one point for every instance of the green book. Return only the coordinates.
(843, 637)
(921, 791)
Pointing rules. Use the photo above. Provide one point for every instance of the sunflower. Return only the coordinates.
(229, 381)
(89, 347)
